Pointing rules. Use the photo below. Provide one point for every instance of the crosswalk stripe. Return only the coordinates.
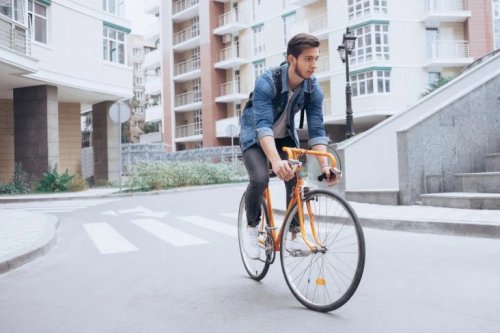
(211, 225)
(167, 233)
(231, 215)
(55, 206)
(106, 239)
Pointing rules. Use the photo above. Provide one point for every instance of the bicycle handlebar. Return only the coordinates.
(293, 153)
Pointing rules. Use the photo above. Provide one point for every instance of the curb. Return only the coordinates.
(116, 194)
(39, 248)
(428, 227)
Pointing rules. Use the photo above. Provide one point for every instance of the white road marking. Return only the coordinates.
(110, 213)
(231, 215)
(143, 211)
(167, 233)
(108, 240)
(56, 206)
(210, 224)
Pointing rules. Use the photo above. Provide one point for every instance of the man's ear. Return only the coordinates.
(290, 58)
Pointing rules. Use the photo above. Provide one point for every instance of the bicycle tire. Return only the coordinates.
(324, 281)
(256, 268)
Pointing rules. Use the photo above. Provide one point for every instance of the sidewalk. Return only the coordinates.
(25, 236)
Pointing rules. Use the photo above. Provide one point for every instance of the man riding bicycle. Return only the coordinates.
(267, 127)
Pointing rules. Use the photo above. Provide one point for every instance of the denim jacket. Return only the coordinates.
(257, 121)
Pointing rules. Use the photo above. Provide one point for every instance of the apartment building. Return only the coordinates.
(58, 58)
(212, 52)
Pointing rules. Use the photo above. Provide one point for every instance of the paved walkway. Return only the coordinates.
(25, 236)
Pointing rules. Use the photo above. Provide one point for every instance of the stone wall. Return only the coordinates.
(454, 140)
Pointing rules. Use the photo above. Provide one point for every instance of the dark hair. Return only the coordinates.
(300, 42)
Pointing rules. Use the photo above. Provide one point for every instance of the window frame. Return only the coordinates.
(259, 45)
(371, 82)
(367, 49)
(107, 43)
(360, 8)
(32, 19)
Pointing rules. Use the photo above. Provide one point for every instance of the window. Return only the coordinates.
(496, 23)
(372, 43)
(257, 8)
(13, 9)
(238, 110)
(115, 7)
(197, 90)
(198, 124)
(113, 45)
(258, 40)
(360, 8)
(259, 68)
(371, 82)
(288, 21)
(37, 21)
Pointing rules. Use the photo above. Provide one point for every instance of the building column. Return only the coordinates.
(36, 129)
(105, 136)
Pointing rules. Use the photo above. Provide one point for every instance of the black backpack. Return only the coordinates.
(276, 99)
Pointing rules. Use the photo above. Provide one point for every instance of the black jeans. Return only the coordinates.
(258, 167)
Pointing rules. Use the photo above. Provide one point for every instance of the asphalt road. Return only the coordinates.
(116, 268)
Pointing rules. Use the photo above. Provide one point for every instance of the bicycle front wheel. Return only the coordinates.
(256, 267)
(324, 276)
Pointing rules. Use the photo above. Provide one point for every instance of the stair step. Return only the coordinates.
(482, 182)
(492, 162)
(464, 200)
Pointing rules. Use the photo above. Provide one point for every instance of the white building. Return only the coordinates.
(56, 59)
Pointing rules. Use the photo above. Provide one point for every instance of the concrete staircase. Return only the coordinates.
(479, 190)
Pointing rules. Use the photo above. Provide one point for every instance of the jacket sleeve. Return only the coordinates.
(263, 106)
(314, 111)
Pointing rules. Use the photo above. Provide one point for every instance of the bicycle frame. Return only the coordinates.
(314, 245)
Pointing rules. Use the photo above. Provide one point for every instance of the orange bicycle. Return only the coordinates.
(324, 263)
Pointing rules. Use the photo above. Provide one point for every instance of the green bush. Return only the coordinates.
(77, 183)
(53, 181)
(19, 183)
(170, 174)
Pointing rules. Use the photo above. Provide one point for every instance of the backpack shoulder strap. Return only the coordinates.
(277, 85)
(307, 96)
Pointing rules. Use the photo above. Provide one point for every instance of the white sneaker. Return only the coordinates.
(250, 243)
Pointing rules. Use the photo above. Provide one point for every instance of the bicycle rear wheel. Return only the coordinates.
(324, 279)
(256, 268)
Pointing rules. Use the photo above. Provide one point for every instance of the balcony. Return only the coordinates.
(448, 53)
(229, 92)
(189, 132)
(319, 27)
(222, 127)
(188, 101)
(302, 2)
(152, 58)
(323, 70)
(153, 85)
(152, 33)
(229, 57)
(154, 113)
(183, 10)
(445, 11)
(187, 70)
(16, 41)
(230, 23)
(152, 7)
(187, 39)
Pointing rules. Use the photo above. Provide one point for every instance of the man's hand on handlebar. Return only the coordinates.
(331, 175)
(283, 170)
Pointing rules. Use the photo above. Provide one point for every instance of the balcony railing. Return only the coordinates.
(188, 130)
(228, 53)
(229, 88)
(182, 5)
(186, 66)
(442, 49)
(188, 98)
(445, 5)
(229, 18)
(186, 34)
(14, 36)
(318, 24)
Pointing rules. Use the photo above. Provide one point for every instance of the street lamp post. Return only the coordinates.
(345, 49)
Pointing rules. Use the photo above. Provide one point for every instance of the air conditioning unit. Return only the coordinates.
(227, 38)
